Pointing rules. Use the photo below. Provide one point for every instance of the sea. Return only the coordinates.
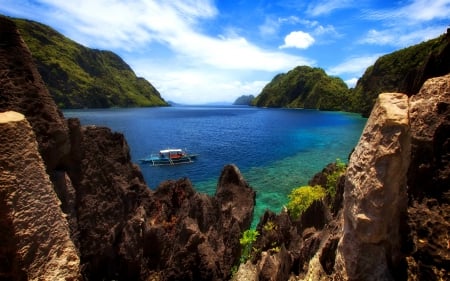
(276, 150)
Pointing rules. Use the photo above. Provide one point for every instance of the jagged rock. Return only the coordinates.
(246, 272)
(35, 240)
(275, 265)
(111, 193)
(375, 197)
(430, 127)
(121, 229)
(428, 254)
(193, 236)
(23, 90)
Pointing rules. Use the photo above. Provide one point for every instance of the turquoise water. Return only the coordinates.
(275, 149)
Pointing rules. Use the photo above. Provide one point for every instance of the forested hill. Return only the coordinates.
(305, 87)
(403, 71)
(79, 77)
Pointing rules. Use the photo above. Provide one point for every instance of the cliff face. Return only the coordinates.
(390, 217)
(83, 210)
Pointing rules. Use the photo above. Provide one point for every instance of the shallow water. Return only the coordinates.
(275, 149)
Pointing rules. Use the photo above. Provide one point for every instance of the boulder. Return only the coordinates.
(375, 198)
(35, 241)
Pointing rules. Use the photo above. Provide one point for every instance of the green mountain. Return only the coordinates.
(403, 71)
(305, 87)
(79, 77)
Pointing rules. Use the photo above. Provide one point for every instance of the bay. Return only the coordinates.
(276, 150)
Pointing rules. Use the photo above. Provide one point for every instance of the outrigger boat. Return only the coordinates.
(170, 156)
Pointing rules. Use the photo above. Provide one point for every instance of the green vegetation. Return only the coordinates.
(269, 226)
(302, 197)
(305, 87)
(244, 100)
(79, 77)
(248, 238)
(333, 178)
(402, 71)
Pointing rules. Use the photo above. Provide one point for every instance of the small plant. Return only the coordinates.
(269, 226)
(301, 198)
(248, 238)
(333, 178)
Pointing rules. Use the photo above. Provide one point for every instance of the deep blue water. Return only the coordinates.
(275, 149)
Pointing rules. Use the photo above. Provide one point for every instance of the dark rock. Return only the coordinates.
(185, 237)
(120, 229)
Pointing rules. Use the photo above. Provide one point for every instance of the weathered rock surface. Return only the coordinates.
(116, 228)
(375, 196)
(35, 239)
(22, 90)
(203, 231)
(428, 244)
(392, 221)
(119, 228)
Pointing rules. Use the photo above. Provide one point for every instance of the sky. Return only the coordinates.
(210, 51)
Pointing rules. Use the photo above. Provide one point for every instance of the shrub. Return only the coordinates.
(301, 198)
(248, 238)
(333, 178)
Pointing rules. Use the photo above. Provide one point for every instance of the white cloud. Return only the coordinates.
(401, 37)
(325, 7)
(272, 25)
(208, 85)
(193, 66)
(298, 39)
(354, 65)
(351, 83)
(414, 12)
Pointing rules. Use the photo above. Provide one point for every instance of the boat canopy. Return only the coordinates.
(170, 151)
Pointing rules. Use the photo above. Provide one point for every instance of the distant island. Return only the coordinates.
(244, 100)
(305, 87)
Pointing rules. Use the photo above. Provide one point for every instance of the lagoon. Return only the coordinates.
(276, 150)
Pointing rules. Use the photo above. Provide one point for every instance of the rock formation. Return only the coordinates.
(100, 220)
(73, 206)
(35, 238)
(390, 217)
(375, 190)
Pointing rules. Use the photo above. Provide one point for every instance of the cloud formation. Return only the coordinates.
(297, 39)
(207, 50)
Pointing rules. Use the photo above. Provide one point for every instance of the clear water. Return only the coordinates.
(275, 149)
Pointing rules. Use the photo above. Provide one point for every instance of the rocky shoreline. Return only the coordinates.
(74, 207)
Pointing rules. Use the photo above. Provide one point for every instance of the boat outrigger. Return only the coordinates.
(170, 156)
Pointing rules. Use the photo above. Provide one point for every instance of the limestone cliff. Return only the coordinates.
(375, 196)
(35, 239)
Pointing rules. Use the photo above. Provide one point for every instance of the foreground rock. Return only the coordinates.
(119, 229)
(390, 217)
(35, 239)
(375, 197)
(113, 227)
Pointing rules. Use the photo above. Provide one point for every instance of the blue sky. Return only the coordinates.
(200, 51)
